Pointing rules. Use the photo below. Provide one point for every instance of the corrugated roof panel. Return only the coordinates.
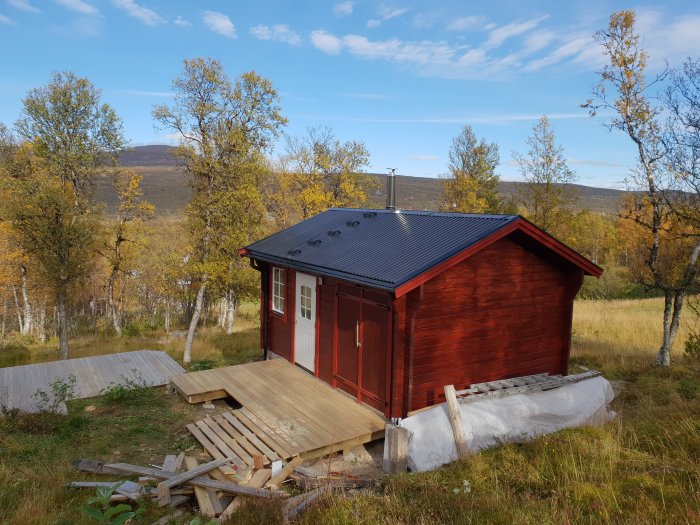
(376, 247)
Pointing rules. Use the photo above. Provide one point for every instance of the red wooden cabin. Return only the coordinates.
(391, 306)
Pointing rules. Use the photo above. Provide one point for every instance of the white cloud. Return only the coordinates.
(424, 157)
(594, 163)
(664, 37)
(424, 53)
(7, 20)
(326, 42)
(537, 40)
(571, 48)
(219, 23)
(182, 22)
(142, 14)
(500, 34)
(23, 5)
(343, 9)
(278, 32)
(79, 6)
(388, 12)
(462, 24)
(372, 23)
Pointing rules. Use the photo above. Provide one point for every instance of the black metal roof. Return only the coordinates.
(380, 248)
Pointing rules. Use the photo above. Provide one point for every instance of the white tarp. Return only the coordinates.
(508, 419)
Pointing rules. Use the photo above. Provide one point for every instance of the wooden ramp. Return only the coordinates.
(92, 374)
(285, 412)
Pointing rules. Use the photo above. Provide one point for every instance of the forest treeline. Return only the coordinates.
(66, 268)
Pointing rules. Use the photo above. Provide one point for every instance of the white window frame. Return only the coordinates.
(278, 290)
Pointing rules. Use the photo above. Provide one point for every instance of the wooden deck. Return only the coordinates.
(291, 412)
(93, 374)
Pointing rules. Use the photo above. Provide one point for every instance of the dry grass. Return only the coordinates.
(622, 335)
(643, 468)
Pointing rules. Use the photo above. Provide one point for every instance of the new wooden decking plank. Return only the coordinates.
(242, 440)
(322, 400)
(288, 409)
(250, 436)
(230, 441)
(279, 415)
(275, 443)
(290, 444)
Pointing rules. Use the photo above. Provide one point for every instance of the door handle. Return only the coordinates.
(357, 334)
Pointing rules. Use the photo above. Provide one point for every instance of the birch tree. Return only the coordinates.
(132, 212)
(224, 127)
(319, 172)
(546, 195)
(623, 89)
(471, 185)
(70, 136)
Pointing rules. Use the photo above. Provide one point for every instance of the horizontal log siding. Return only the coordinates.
(503, 313)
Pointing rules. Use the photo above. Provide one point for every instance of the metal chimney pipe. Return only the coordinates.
(391, 189)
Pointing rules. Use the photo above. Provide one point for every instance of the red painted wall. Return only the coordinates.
(280, 334)
(504, 312)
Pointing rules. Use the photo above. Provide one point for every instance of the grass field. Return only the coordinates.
(643, 468)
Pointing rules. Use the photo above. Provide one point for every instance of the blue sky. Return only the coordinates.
(401, 76)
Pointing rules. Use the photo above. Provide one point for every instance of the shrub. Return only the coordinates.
(131, 391)
(99, 507)
(688, 388)
(62, 390)
(692, 345)
(202, 364)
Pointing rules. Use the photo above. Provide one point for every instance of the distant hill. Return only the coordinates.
(165, 185)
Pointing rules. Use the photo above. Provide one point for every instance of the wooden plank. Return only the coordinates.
(165, 486)
(229, 440)
(212, 450)
(395, 449)
(277, 441)
(258, 480)
(250, 436)
(241, 440)
(225, 450)
(209, 504)
(283, 474)
(456, 422)
(293, 509)
(224, 486)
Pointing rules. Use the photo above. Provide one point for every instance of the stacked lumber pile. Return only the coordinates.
(216, 488)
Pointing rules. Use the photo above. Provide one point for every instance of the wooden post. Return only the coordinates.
(395, 449)
(456, 421)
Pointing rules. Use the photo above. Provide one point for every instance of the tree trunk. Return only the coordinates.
(167, 316)
(113, 313)
(4, 320)
(187, 355)
(222, 312)
(62, 304)
(18, 310)
(26, 305)
(230, 312)
(40, 325)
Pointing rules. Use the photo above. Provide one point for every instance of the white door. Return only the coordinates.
(305, 330)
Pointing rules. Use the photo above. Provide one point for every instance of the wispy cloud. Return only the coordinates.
(278, 33)
(143, 14)
(343, 9)
(326, 42)
(219, 23)
(500, 34)
(594, 163)
(79, 7)
(388, 12)
(6, 20)
(424, 157)
(571, 48)
(23, 5)
(182, 22)
(372, 23)
(465, 23)
(494, 119)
